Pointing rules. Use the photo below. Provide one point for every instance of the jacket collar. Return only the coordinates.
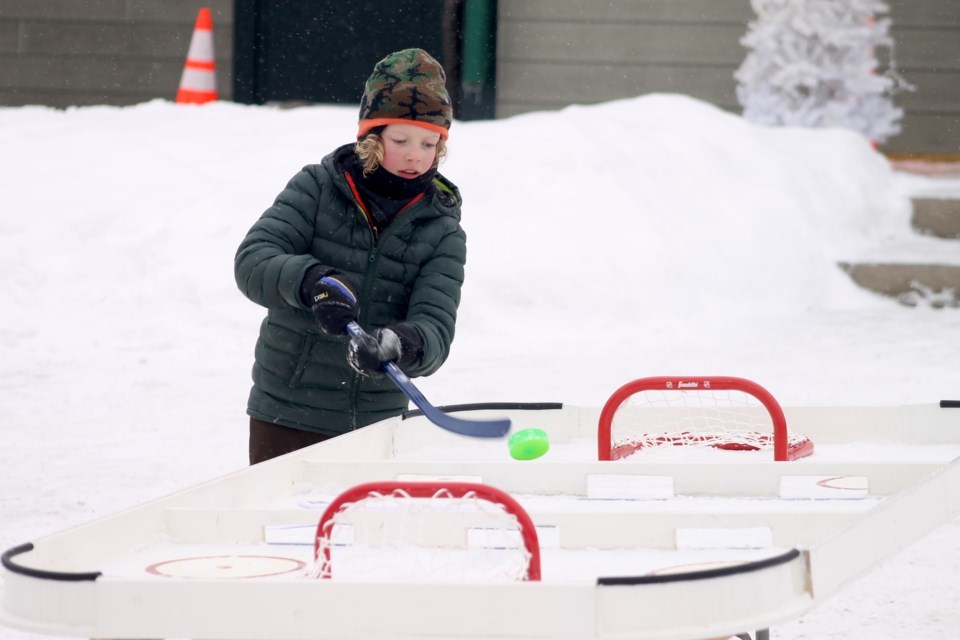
(445, 197)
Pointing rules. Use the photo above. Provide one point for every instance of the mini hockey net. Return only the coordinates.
(426, 531)
(726, 413)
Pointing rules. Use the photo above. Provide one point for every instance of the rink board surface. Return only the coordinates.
(671, 544)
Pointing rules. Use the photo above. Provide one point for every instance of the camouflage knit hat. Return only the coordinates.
(406, 87)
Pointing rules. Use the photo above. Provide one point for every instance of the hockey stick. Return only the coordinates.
(476, 428)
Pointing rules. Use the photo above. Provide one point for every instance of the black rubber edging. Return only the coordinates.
(493, 406)
(63, 576)
(704, 574)
(950, 404)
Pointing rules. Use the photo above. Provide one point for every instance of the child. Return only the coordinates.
(371, 234)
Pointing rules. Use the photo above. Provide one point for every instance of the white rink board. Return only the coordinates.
(625, 546)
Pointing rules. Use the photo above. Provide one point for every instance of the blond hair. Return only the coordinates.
(370, 152)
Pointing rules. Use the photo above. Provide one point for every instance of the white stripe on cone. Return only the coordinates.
(198, 80)
(201, 46)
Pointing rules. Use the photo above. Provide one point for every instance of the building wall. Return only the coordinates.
(927, 54)
(81, 52)
(552, 53)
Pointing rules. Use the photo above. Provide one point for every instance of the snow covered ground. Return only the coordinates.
(650, 236)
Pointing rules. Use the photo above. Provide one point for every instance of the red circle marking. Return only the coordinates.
(216, 566)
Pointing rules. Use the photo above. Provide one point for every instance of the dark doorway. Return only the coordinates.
(321, 51)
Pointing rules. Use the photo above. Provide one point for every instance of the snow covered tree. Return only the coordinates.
(813, 63)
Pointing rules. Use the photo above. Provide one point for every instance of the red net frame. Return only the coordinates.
(785, 446)
(421, 489)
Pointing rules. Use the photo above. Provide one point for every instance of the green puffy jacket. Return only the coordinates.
(412, 273)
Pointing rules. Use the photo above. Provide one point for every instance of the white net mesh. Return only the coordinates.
(392, 535)
(718, 419)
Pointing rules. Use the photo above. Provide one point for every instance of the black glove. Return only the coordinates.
(332, 297)
(399, 343)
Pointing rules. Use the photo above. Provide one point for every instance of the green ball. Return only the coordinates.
(528, 444)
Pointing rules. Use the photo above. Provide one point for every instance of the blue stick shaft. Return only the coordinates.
(496, 428)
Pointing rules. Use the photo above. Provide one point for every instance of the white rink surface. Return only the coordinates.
(586, 449)
(399, 563)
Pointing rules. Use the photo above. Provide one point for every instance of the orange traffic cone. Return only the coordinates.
(198, 84)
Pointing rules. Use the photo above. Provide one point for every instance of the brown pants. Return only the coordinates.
(269, 440)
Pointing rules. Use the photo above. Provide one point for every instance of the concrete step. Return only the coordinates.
(925, 269)
(910, 283)
(938, 217)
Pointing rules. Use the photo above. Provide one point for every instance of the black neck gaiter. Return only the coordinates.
(386, 194)
(383, 183)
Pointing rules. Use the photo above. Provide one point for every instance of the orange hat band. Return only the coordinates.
(373, 123)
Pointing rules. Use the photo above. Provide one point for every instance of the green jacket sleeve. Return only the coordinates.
(435, 299)
(272, 258)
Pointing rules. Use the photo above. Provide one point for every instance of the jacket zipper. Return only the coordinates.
(355, 386)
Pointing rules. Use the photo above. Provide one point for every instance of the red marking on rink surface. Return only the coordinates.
(844, 483)
(238, 567)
